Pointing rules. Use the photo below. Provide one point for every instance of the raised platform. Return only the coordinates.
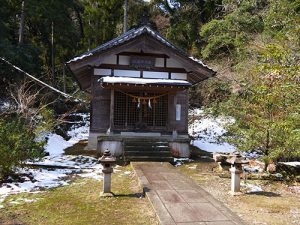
(144, 148)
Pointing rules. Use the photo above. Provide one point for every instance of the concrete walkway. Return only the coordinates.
(177, 199)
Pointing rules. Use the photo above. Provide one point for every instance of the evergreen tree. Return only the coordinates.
(267, 110)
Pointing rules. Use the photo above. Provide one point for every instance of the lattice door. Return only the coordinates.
(127, 114)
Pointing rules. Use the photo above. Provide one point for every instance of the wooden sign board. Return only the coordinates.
(142, 62)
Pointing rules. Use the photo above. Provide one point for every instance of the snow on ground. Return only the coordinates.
(207, 130)
(181, 161)
(251, 187)
(294, 164)
(60, 167)
(56, 143)
(21, 200)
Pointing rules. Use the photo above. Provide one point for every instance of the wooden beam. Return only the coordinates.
(154, 55)
(155, 69)
(112, 102)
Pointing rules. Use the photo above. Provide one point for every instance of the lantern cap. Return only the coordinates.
(107, 157)
(236, 159)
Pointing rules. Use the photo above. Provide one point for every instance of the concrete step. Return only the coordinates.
(145, 143)
(152, 149)
(146, 148)
(148, 153)
(148, 159)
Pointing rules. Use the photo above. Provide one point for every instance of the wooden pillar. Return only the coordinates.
(112, 103)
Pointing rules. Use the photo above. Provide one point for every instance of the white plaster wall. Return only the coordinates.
(102, 72)
(174, 63)
(159, 62)
(127, 73)
(112, 59)
(161, 75)
(179, 76)
(124, 60)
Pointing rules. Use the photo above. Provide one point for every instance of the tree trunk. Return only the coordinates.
(79, 17)
(22, 24)
(52, 53)
(125, 15)
(267, 149)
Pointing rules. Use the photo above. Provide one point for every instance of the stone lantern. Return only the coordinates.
(236, 162)
(107, 161)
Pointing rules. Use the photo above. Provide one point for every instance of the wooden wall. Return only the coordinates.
(100, 107)
(180, 97)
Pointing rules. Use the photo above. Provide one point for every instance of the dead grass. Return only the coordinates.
(276, 205)
(80, 204)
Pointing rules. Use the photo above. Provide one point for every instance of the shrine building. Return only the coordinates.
(138, 83)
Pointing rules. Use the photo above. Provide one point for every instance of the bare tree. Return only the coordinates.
(28, 101)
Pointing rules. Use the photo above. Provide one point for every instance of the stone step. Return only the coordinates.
(147, 153)
(148, 159)
(153, 149)
(146, 148)
(145, 143)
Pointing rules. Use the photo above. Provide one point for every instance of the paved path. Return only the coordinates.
(177, 199)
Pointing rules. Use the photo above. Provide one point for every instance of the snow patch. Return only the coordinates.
(200, 62)
(207, 130)
(181, 161)
(252, 188)
(294, 164)
(80, 57)
(5, 105)
(130, 80)
(56, 143)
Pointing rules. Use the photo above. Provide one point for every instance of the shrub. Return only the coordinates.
(17, 143)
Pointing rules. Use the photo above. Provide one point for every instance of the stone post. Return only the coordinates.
(235, 180)
(107, 182)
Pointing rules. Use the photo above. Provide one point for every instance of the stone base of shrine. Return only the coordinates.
(178, 147)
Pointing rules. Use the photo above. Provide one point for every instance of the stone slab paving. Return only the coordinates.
(178, 200)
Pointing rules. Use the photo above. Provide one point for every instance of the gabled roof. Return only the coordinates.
(136, 33)
(131, 34)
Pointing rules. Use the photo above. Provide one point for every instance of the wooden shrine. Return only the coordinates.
(139, 93)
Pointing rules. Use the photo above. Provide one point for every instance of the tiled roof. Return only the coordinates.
(131, 34)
